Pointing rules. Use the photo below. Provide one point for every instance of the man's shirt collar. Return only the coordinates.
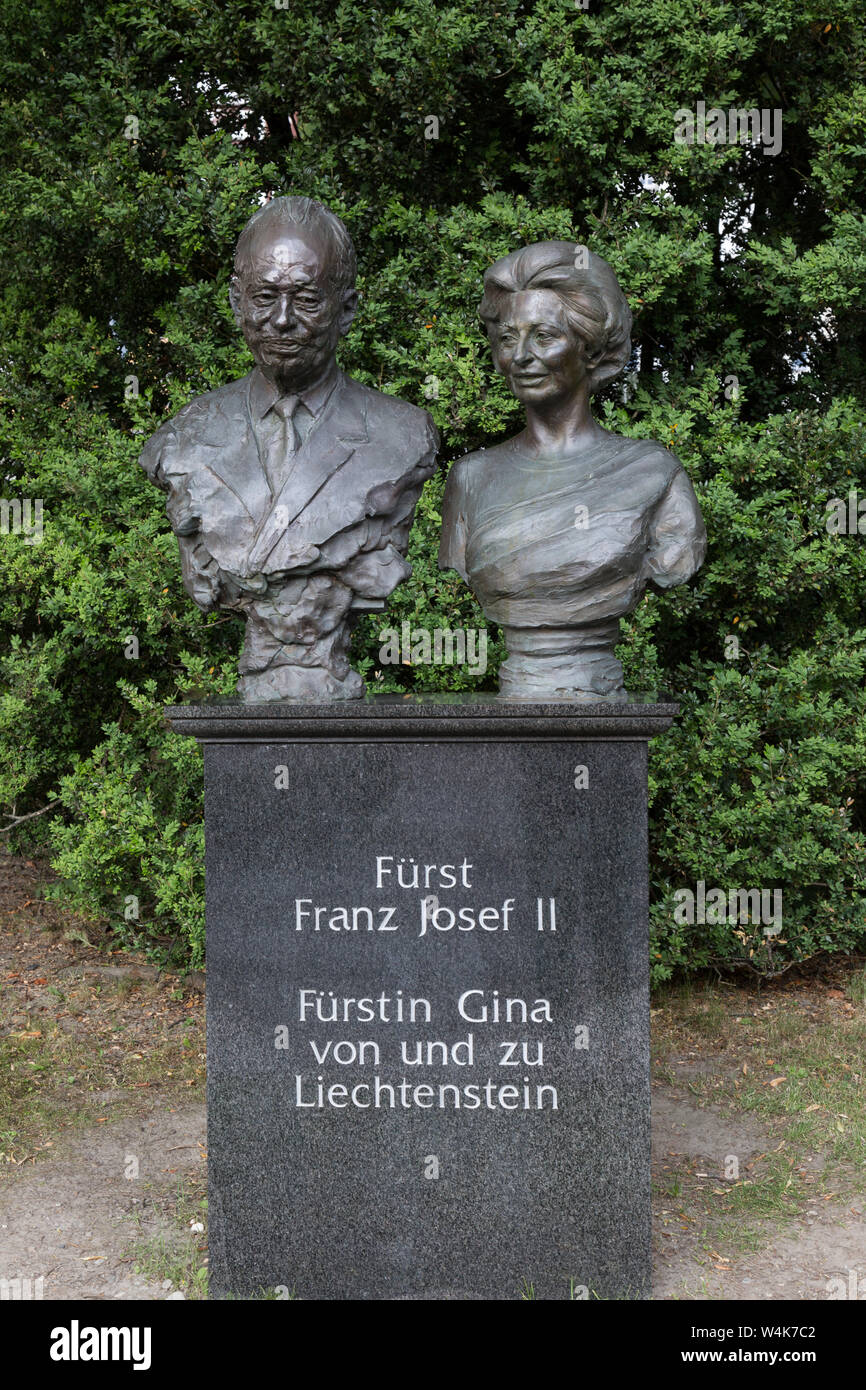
(264, 394)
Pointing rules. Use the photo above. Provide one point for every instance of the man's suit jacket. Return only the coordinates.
(345, 505)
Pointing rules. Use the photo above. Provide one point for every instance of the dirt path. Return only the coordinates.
(102, 1121)
(75, 1216)
(76, 1219)
(799, 1260)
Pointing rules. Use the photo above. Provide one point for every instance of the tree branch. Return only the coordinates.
(30, 814)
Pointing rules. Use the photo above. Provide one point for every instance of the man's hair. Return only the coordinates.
(297, 211)
(594, 305)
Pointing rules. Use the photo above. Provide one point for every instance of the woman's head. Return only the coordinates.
(554, 312)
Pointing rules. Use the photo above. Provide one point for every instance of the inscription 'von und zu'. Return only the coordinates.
(476, 1006)
(415, 887)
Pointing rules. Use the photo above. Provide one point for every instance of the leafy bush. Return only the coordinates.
(132, 850)
(552, 122)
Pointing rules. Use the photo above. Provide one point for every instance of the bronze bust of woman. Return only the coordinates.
(559, 530)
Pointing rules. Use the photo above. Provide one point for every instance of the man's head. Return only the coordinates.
(292, 291)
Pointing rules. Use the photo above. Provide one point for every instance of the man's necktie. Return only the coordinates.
(283, 442)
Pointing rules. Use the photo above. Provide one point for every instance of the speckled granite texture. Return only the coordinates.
(385, 1155)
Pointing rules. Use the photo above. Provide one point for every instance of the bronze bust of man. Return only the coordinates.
(559, 530)
(291, 492)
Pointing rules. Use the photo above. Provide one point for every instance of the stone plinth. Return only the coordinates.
(428, 1065)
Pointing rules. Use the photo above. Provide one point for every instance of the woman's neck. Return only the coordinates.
(547, 437)
(560, 428)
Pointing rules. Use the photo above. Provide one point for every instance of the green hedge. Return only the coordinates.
(553, 122)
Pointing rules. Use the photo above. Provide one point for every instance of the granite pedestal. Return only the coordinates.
(427, 985)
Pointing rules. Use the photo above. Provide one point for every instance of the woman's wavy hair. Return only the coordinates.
(595, 307)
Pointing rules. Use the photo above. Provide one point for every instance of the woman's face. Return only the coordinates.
(541, 357)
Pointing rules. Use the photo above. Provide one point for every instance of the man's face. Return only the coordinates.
(541, 357)
(290, 315)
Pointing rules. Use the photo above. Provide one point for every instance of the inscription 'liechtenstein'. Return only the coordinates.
(518, 1041)
(406, 1095)
(476, 1006)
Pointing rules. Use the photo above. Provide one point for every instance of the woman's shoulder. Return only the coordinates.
(470, 468)
(649, 454)
(646, 448)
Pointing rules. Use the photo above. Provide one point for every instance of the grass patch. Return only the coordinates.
(180, 1254)
(51, 1081)
(174, 1259)
(795, 1059)
(856, 987)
